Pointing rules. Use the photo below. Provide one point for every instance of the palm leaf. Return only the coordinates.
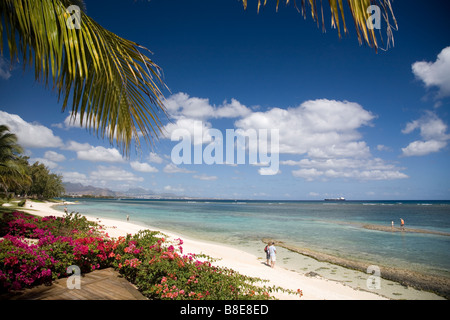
(107, 82)
(358, 10)
(12, 172)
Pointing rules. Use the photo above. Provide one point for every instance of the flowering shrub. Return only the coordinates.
(59, 243)
(161, 271)
(22, 264)
(157, 267)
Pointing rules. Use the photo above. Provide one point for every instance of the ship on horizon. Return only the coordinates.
(335, 199)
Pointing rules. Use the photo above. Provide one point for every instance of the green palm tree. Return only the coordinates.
(12, 171)
(114, 88)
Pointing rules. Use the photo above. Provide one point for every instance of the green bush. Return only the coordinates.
(157, 267)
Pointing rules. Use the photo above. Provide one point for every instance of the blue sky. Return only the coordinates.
(351, 122)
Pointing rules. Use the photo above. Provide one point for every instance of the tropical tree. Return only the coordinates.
(45, 185)
(114, 87)
(12, 172)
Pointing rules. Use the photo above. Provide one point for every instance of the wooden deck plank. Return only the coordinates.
(105, 284)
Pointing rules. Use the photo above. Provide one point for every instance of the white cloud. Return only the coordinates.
(142, 167)
(205, 177)
(422, 148)
(181, 105)
(100, 154)
(4, 69)
(172, 168)
(76, 146)
(46, 162)
(196, 130)
(75, 177)
(235, 109)
(30, 135)
(105, 174)
(173, 189)
(360, 169)
(50, 159)
(318, 128)
(433, 132)
(269, 171)
(435, 74)
(54, 156)
(153, 157)
(73, 122)
(96, 154)
(382, 147)
(191, 114)
(326, 133)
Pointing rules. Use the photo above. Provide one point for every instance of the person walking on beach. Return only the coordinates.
(266, 250)
(128, 218)
(402, 224)
(272, 252)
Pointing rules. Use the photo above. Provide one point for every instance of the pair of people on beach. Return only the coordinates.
(402, 224)
(271, 254)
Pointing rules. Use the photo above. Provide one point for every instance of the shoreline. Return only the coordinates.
(314, 288)
(419, 281)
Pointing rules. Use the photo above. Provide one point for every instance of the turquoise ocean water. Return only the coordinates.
(329, 227)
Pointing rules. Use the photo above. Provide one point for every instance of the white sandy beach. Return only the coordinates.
(245, 263)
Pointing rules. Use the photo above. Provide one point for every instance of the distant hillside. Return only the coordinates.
(78, 189)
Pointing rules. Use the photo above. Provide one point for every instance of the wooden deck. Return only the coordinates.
(102, 284)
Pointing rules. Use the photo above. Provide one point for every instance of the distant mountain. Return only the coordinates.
(139, 191)
(77, 189)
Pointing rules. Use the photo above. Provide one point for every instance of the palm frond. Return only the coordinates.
(360, 14)
(109, 83)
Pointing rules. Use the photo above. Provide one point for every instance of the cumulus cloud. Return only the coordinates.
(326, 133)
(435, 74)
(433, 132)
(205, 177)
(173, 189)
(318, 128)
(105, 174)
(142, 167)
(30, 135)
(54, 156)
(96, 154)
(360, 169)
(191, 115)
(181, 105)
(75, 177)
(155, 158)
(187, 128)
(46, 162)
(422, 148)
(50, 160)
(172, 168)
(100, 154)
